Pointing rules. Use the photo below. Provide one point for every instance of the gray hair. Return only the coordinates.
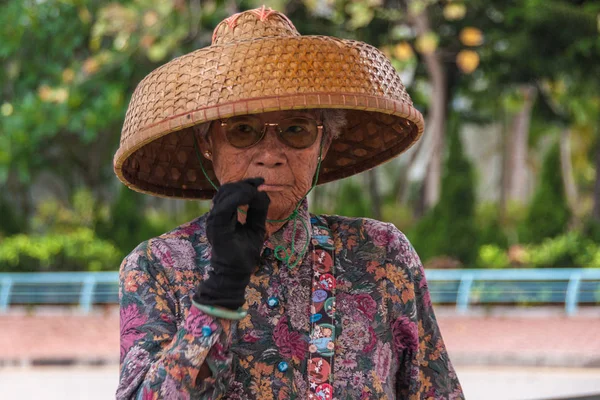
(334, 121)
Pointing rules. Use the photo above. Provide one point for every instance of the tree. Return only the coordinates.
(449, 228)
(63, 106)
(126, 226)
(549, 213)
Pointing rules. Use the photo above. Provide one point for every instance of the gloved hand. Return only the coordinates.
(235, 247)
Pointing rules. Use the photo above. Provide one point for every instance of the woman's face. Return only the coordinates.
(288, 172)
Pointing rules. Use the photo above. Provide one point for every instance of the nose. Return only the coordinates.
(269, 151)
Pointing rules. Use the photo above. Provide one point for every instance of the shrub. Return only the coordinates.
(489, 227)
(449, 228)
(492, 256)
(52, 216)
(564, 251)
(570, 250)
(352, 200)
(79, 250)
(398, 214)
(12, 222)
(548, 214)
(125, 225)
(560, 251)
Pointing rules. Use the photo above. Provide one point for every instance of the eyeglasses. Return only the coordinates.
(247, 130)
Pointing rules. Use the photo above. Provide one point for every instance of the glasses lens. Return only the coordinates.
(298, 132)
(243, 131)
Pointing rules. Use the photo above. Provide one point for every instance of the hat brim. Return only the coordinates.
(157, 155)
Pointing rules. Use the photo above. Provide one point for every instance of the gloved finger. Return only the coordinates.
(246, 186)
(231, 196)
(257, 212)
(256, 182)
(227, 188)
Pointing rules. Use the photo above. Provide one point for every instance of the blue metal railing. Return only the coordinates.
(463, 287)
(83, 288)
(467, 286)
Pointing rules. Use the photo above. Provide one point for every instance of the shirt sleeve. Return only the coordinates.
(162, 351)
(425, 371)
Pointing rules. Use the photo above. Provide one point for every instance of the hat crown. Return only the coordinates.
(253, 24)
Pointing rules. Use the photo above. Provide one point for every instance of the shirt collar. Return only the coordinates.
(283, 236)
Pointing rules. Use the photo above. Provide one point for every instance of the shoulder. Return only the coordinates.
(383, 241)
(381, 234)
(177, 248)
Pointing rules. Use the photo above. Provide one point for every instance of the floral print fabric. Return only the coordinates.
(387, 342)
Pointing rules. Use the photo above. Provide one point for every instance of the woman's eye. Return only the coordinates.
(295, 129)
(244, 128)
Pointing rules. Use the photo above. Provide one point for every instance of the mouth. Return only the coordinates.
(272, 187)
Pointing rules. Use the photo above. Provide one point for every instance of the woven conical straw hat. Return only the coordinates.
(258, 62)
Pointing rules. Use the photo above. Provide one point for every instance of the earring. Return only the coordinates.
(207, 154)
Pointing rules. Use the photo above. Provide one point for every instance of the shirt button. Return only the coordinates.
(206, 331)
(283, 366)
(273, 302)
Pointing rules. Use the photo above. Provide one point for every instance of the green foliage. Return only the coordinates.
(489, 227)
(449, 228)
(158, 221)
(63, 113)
(591, 230)
(352, 201)
(492, 256)
(569, 250)
(64, 240)
(398, 214)
(79, 250)
(69, 68)
(129, 222)
(54, 217)
(549, 213)
(11, 221)
(563, 251)
(126, 225)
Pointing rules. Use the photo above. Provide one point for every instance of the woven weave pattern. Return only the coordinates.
(251, 25)
(259, 63)
(264, 68)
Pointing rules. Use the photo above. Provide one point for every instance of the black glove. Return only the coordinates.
(235, 247)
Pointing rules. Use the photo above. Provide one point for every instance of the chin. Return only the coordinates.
(281, 202)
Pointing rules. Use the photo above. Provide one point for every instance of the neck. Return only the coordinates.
(273, 227)
(273, 214)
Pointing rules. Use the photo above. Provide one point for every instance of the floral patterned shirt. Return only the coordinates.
(387, 342)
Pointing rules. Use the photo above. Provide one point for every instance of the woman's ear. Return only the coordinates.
(203, 137)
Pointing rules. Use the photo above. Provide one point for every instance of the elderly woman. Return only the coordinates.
(259, 299)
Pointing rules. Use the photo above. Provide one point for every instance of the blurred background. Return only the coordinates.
(507, 168)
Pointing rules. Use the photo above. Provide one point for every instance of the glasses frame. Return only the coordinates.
(279, 134)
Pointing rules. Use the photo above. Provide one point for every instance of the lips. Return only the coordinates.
(270, 187)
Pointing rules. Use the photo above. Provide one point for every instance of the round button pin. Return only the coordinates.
(282, 366)
(324, 391)
(273, 302)
(206, 331)
(327, 281)
(319, 295)
(315, 317)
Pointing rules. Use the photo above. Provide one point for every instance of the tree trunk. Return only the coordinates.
(374, 193)
(517, 150)
(567, 170)
(436, 117)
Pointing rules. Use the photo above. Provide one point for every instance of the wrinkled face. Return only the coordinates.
(288, 172)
